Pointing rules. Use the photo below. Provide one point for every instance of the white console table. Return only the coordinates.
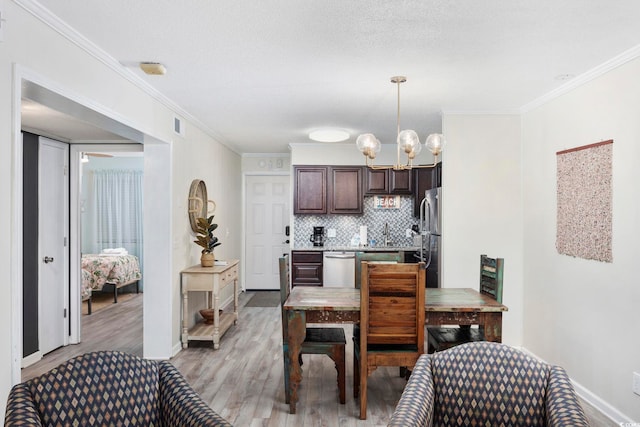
(211, 280)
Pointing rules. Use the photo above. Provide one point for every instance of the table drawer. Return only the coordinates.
(229, 275)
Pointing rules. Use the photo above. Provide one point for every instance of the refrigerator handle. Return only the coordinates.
(428, 262)
(422, 227)
(428, 209)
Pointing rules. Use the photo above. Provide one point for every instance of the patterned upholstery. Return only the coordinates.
(109, 389)
(487, 384)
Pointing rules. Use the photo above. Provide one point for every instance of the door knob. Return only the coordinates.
(47, 259)
(286, 241)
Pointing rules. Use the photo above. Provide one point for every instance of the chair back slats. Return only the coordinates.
(491, 277)
(393, 303)
(391, 257)
(391, 321)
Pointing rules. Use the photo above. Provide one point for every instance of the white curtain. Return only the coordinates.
(118, 211)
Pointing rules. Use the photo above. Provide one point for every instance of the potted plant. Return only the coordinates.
(204, 235)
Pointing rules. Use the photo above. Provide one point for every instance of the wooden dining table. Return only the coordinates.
(443, 306)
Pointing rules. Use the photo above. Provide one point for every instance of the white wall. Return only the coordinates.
(266, 163)
(583, 314)
(200, 158)
(34, 49)
(482, 207)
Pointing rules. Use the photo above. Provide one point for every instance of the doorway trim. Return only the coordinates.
(157, 300)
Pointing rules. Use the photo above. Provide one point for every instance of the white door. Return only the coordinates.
(53, 219)
(267, 207)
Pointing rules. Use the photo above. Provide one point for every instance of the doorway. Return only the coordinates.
(267, 199)
(111, 224)
(157, 208)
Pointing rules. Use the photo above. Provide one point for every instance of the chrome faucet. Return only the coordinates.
(385, 233)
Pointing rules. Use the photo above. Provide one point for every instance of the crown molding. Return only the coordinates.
(268, 155)
(513, 112)
(64, 29)
(584, 78)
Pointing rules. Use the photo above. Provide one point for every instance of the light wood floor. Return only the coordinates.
(118, 327)
(242, 381)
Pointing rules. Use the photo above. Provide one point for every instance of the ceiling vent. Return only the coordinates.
(178, 127)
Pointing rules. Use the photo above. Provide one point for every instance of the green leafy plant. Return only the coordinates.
(204, 234)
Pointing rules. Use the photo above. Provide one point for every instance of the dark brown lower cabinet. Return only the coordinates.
(306, 268)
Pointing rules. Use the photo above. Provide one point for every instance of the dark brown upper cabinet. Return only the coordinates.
(425, 179)
(388, 181)
(323, 190)
(400, 182)
(310, 190)
(345, 190)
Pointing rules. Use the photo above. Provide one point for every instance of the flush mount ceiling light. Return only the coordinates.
(407, 141)
(329, 135)
(153, 68)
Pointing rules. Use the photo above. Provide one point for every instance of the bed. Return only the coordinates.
(101, 269)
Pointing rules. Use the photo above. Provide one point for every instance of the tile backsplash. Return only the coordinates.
(347, 226)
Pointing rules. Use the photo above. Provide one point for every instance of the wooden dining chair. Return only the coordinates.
(491, 275)
(387, 257)
(329, 341)
(392, 298)
(374, 256)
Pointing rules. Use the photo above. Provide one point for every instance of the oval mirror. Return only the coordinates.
(198, 202)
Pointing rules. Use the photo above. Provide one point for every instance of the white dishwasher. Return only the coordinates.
(339, 269)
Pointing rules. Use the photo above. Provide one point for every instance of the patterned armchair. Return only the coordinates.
(484, 383)
(109, 389)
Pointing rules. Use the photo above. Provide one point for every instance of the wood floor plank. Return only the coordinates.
(243, 380)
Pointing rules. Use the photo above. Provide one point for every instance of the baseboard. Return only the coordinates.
(31, 359)
(177, 348)
(605, 408)
(585, 394)
(157, 358)
(228, 303)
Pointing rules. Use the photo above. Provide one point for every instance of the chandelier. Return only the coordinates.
(407, 142)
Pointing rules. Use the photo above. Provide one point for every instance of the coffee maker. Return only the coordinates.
(317, 238)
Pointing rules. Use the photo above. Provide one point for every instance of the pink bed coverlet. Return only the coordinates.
(114, 269)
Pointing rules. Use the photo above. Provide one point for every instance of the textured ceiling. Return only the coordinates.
(262, 74)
